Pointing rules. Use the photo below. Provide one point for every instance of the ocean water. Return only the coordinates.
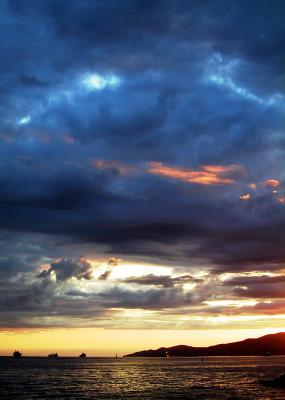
(230, 378)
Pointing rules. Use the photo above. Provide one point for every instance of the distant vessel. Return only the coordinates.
(267, 353)
(82, 355)
(17, 354)
(116, 355)
(53, 355)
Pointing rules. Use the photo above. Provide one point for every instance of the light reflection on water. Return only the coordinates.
(230, 378)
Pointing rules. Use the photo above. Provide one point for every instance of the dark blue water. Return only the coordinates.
(141, 378)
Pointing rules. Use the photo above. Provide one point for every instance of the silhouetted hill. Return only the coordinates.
(275, 344)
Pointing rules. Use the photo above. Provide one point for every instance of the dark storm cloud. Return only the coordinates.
(161, 280)
(263, 286)
(255, 280)
(249, 248)
(264, 291)
(31, 303)
(10, 266)
(65, 269)
(151, 299)
(94, 92)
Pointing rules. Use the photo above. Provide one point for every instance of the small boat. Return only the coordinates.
(267, 353)
(82, 355)
(53, 355)
(17, 354)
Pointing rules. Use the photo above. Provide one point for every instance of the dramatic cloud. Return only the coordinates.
(65, 269)
(149, 134)
(152, 299)
(253, 280)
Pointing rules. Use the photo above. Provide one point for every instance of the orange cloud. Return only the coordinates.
(122, 168)
(272, 183)
(206, 175)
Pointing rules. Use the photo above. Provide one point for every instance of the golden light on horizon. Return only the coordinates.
(231, 303)
(100, 342)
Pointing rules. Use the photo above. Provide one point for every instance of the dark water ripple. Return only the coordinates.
(217, 378)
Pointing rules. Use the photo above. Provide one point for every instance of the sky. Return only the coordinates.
(142, 182)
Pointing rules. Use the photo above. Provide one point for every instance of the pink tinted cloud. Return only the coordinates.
(205, 175)
(274, 183)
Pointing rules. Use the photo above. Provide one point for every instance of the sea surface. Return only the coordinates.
(230, 378)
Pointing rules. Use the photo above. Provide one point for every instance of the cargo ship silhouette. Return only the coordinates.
(53, 355)
(17, 354)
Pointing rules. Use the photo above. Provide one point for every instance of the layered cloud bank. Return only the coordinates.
(142, 164)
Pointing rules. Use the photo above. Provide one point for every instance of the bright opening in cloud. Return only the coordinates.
(25, 120)
(100, 82)
(127, 269)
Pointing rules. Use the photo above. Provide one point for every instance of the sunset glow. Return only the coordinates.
(207, 175)
(274, 183)
(142, 181)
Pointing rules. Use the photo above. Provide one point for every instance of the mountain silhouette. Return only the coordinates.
(273, 344)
